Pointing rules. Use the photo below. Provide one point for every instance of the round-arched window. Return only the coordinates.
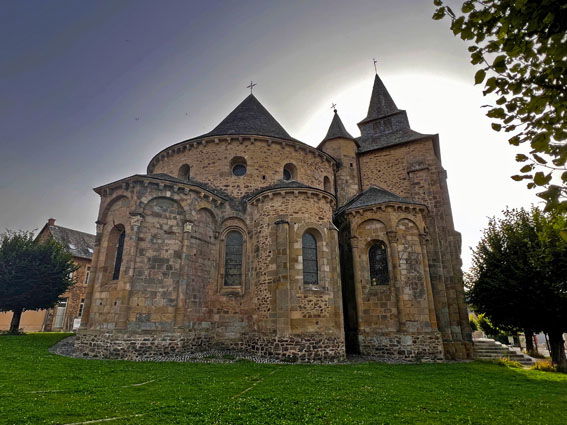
(289, 172)
(327, 183)
(239, 170)
(378, 262)
(238, 166)
(184, 172)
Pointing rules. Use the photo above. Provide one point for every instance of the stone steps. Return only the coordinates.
(489, 349)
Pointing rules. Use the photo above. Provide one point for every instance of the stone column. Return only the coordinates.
(93, 276)
(181, 305)
(136, 219)
(398, 289)
(283, 321)
(357, 283)
(423, 238)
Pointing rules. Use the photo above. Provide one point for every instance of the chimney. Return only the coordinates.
(51, 222)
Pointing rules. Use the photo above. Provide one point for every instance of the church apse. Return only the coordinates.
(249, 240)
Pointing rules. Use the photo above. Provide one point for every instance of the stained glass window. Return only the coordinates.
(233, 259)
(118, 257)
(378, 260)
(310, 267)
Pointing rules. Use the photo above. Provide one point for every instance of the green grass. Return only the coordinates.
(40, 388)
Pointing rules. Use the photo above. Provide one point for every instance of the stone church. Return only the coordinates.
(247, 239)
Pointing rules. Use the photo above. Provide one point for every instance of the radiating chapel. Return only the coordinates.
(247, 239)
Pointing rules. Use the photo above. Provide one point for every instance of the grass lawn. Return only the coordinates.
(41, 388)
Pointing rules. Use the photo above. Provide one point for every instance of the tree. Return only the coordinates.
(519, 275)
(521, 49)
(32, 274)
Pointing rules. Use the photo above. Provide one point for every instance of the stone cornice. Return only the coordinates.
(160, 185)
(388, 206)
(310, 192)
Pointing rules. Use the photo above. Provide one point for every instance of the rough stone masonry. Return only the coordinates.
(246, 239)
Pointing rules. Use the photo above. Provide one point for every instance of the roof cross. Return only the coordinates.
(375, 69)
(334, 107)
(251, 86)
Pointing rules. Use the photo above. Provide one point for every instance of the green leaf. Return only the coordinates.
(521, 157)
(541, 179)
(479, 76)
(539, 158)
(439, 13)
(496, 127)
(540, 142)
(526, 168)
(499, 64)
(467, 7)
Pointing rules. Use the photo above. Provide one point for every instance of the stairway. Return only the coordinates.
(488, 349)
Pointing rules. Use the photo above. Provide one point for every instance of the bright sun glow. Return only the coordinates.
(479, 162)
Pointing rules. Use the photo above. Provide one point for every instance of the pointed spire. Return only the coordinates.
(381, 103)
(250, 117)
(337, 129)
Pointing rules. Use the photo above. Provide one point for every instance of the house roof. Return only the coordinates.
(373, 196)
(337, 129)
(250, 117)
(79, 244)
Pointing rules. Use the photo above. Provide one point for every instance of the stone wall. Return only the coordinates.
(347, 174)
(210, 162)
(403, 305)
(135, 346)
(409, 347)
(414, 171)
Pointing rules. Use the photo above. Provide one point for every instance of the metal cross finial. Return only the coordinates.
(375, 62)
(334, 107)
(251, 86)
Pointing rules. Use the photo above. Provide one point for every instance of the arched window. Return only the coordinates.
(327, 184)
(310, 267)
(238, 166)
(184, 172)
(233, 259)
(119, 247)
(289, 172)
(378, 261)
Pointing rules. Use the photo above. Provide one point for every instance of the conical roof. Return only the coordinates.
(381, 103)
(250, 117)
(337, 129)
(385, 125)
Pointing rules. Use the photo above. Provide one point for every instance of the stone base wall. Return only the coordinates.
(403, 347)
(459, 350)
(132, 346)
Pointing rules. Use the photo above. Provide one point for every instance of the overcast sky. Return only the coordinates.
(91, 90)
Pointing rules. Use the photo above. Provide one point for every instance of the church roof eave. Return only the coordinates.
(169, 179)
(375, 195)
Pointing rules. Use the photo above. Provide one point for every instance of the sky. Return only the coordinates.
(90, 91)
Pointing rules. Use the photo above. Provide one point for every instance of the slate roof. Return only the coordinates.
(337, 129)
(373, 196)
(79, 244)
(398, 137)
(381, 103)
(167, 177)
(386, 124)
(250, 117)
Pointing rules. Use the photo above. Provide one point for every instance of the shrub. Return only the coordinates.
(503, 361)
(544, 366)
